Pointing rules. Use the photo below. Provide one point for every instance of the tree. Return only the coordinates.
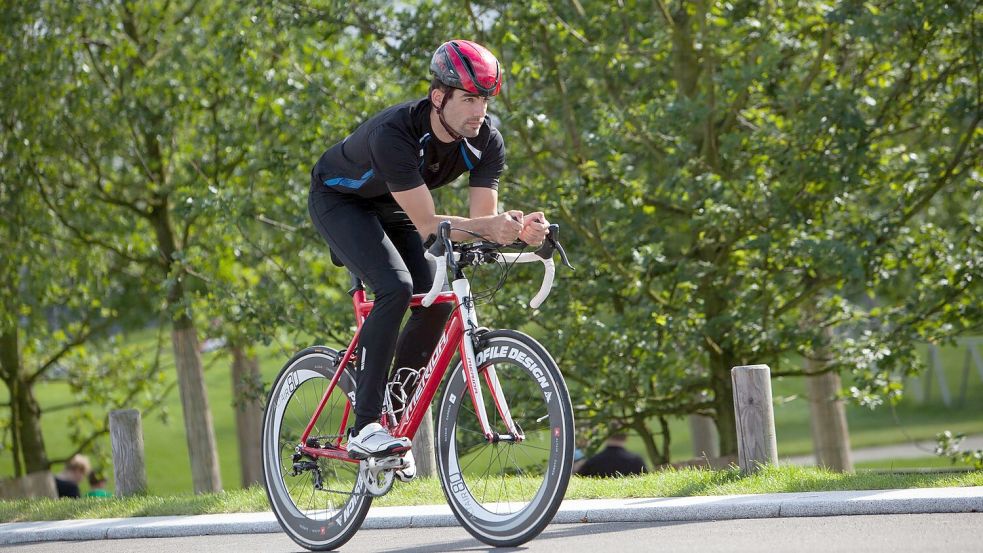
(130, 146)
(181, 123)
(58, 299)
(265, 272)
(718, 167)
(715, 169)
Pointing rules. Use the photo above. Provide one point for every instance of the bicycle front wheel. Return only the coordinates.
(504, 493)
(320, 502)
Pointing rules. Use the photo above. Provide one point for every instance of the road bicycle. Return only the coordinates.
(504, 430)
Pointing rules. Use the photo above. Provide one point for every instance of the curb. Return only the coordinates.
(702, 508)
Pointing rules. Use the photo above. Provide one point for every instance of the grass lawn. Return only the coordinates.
(169, 473)
(165, 446)
(427, 491)
(900, 464)
(910, 420)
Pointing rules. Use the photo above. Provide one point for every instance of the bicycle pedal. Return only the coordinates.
(386, 463)
(357, 455)
(392, 452)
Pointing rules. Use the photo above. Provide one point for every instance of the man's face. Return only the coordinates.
(465, 112)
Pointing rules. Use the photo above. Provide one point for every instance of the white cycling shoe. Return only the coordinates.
(374, 441)
(408, 472)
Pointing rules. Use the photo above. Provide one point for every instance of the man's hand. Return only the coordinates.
(534, 228)
(505, 227)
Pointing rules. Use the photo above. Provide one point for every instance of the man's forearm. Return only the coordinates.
(477, 225)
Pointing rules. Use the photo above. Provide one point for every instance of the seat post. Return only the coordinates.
(356, 284)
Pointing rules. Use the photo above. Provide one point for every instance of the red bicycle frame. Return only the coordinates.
(429, 381)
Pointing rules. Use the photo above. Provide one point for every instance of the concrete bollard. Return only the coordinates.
(755, 417)
(126, 436)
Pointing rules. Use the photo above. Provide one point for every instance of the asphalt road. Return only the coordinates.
(877, 533)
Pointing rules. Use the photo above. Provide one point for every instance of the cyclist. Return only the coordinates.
(370, 200)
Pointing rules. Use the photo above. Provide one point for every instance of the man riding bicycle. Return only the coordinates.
(370, 200)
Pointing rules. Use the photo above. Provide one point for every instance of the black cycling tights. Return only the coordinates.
(376, 241)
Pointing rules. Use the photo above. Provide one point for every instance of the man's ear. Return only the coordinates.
(436, 96)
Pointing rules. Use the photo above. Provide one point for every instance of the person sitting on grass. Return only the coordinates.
(97, 485)
(615, 460)
(68, 480)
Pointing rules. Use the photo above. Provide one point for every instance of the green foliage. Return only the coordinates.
(731, 179)
(720, 168)
(949, 446)
(58, 294)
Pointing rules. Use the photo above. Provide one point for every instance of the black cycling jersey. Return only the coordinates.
(396, 150)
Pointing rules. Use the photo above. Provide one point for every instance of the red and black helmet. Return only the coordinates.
(467, 65)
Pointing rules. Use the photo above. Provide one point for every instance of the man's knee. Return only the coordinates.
(436, 313)
(440, 310)
(396, 290)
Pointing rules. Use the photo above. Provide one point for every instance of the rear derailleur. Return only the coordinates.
(305, 463)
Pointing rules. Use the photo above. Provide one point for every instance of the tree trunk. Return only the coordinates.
(830, 436)
(33, 485)
(704, 435)
(10, 369)
(198, 427)
(202, 448)
(423, 447)
(29, 429)
(657, 457)
(28, 442)
(248, 403)
(723, 392)
(685, 60)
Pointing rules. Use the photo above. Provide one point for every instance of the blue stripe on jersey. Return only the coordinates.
(350, 183)
(467, 161)
(423, 147)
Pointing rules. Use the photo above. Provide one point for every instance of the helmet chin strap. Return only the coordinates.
(440, 115)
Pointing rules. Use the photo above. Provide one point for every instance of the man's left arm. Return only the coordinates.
(484, 192)
(484, 202)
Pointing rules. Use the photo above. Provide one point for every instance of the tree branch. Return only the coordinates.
(186, 13)
(940, 183)
(78, 340)
(813, 288)
(817, 64)
(286, 274)
(84, 238)
(573, 131)
(666, 16)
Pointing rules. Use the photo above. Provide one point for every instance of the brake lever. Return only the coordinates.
(444, 238)
(449, 248)
(551, 244)
(563, 254)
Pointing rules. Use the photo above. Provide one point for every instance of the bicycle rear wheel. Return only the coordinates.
(317, 516)
(505, 493)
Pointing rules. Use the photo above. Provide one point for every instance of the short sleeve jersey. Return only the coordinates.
(396, 150)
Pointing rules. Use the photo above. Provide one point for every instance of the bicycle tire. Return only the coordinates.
(318, 520)
(467, 463)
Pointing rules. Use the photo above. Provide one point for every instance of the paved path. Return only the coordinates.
(895, 451)
(943, 533)
(727, 507)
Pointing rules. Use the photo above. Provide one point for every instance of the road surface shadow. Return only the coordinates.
(555, 531)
